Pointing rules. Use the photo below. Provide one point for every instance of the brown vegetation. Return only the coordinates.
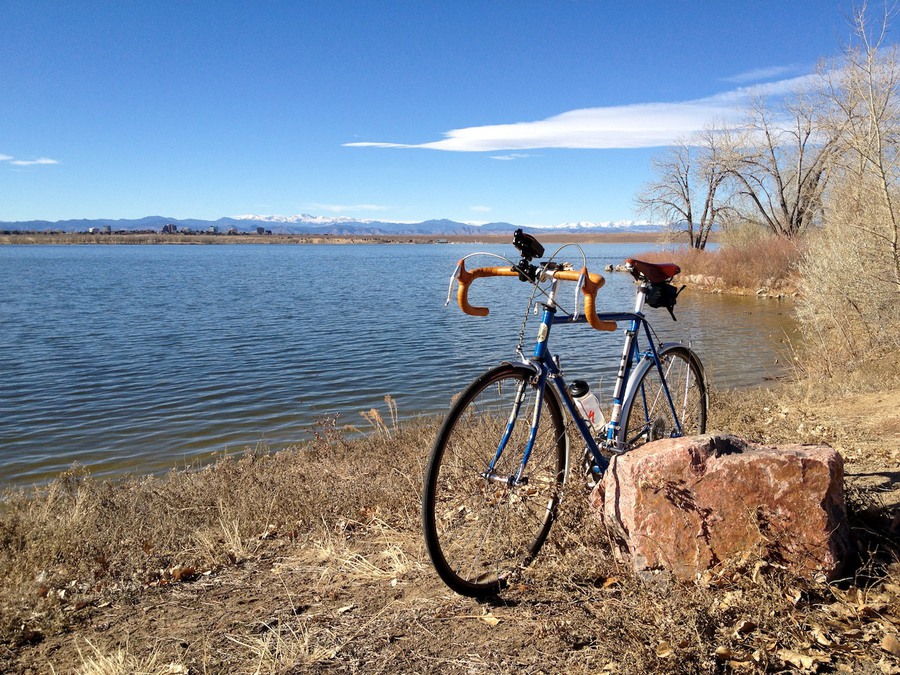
(311, 559)
(768, 262)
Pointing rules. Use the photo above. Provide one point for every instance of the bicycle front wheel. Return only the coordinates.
(648, 414)
(481, 524)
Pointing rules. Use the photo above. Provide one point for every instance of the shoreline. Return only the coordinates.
(144, 238)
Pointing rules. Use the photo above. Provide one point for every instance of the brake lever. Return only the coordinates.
(453, 277)
(578, 289)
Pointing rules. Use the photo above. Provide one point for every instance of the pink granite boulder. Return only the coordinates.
(688, 505)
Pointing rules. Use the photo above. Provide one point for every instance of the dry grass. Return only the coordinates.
(311, 560)
(121, 661)
(82, 540)
(763, 262)
(851, 311)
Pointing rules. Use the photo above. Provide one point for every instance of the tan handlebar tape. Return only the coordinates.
(466, 277)
(592, 284)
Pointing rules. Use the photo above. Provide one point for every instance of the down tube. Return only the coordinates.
(582, 426)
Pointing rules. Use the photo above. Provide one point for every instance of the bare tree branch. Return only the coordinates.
(688, 192)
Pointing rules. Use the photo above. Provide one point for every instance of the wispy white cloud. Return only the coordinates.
(640, 125)
(760, 74)
(29, 162)
(778, 88)
(3, 158)
(512, 156)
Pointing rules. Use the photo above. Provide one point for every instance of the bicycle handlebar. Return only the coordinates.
(592, 284)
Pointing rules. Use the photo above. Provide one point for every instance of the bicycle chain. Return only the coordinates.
(522, 330)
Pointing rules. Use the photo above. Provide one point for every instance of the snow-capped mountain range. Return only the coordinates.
(308, 224)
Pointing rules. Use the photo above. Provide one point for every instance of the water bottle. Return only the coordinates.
(588, 406)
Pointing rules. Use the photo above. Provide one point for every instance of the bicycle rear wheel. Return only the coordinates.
(647, 415)
(480, 530)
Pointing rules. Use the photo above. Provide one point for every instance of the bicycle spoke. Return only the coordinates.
(651, 415)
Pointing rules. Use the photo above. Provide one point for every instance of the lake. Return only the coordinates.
(145, 358)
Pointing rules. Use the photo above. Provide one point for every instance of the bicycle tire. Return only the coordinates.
(480, 533)
(646, 414)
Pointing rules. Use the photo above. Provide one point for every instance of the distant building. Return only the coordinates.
(213, 229)
(169, 228)
(106, 229)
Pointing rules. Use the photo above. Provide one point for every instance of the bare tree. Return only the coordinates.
(865, 91)
(688, 191)
(780, 163)
(850, 312)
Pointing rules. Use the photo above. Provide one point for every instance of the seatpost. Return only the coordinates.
(612, 430)
(639, 299)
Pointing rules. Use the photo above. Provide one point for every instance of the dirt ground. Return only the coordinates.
(366, 600)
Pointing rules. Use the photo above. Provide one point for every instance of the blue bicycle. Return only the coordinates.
(498, 468)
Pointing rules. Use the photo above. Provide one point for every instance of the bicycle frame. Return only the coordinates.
(486, 515)
(547, 367)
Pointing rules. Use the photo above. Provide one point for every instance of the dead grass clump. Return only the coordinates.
(767, 261)
(284, 648)
(80, 540)
(121, 661)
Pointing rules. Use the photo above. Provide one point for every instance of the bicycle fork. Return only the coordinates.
(517, 479)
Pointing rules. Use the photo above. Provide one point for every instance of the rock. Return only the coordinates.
(687, 505)
(702, 280)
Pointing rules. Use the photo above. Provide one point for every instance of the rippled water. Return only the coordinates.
(142, 358)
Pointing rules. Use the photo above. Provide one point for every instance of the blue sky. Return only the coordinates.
(530, 112)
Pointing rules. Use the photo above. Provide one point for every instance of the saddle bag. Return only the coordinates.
(663, 295)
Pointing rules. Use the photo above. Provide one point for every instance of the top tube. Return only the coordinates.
(603, 316)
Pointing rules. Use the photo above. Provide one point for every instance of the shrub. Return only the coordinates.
(850, 312)
(766, 261)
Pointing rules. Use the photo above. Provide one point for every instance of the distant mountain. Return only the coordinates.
(307, 224)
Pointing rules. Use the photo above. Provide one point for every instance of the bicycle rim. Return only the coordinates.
(480, 532)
